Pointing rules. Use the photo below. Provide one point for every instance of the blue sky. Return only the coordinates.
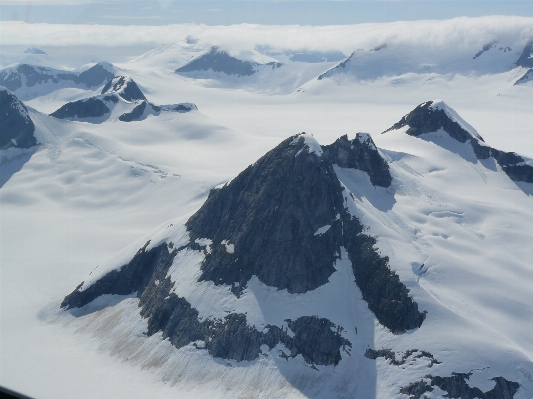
(224, 12)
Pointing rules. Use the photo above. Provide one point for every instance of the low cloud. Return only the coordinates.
(459, 33)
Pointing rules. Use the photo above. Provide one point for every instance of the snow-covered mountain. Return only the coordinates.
(338, 265)
(215, 60)
(337, 271)
(526, 61)
(34, 50)
(389, 60)
(119, 99)
(17, 127)
(30, 81)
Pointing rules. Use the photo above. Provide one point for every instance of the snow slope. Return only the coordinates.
(445, 225)
(94, 190)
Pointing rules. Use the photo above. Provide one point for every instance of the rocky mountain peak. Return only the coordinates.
(283, 220)
(432, 116)
(98, 74)
(34, 50)
(360, 153)
(218, 60)
(16, 127)
(125, 87)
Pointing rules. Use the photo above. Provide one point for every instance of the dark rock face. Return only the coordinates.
(125, 87)
(387, 297)
(272, 210)
(270, 221)
(16, 127)
(511, 163)
(233, 338)
(526, 58)
(89, 108)
(423, 119)
(230, 338)
(391, 356)
(34, 75)
(184, 107)
(485, 48)
(95, 75)
(135, 113)
(130, 278)
(219, 61)
(360, 153)
(457, 387)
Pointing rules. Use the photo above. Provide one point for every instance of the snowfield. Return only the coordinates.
(456, 229)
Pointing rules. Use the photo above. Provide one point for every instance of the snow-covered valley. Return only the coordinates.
(447, 217)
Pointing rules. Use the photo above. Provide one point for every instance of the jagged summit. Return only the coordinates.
(282, 223)
(360, 153)
(121, 89)
(99, 73)
(125, 87)
(433, 116)
(16, 127)
(219, 60)
(34, 50)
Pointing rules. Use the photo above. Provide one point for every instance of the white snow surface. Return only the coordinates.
(456, 230)
(322, 230)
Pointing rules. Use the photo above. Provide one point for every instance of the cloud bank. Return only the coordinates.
(462, 33)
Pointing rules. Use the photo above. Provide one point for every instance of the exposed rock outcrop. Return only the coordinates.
(283, 220)
(432, 116)
(360, 153)
(16, 127)
(409, 355)
(457, 387)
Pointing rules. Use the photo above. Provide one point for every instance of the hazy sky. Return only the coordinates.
(224, 12)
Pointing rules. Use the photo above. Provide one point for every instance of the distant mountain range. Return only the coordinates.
(30, 81)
